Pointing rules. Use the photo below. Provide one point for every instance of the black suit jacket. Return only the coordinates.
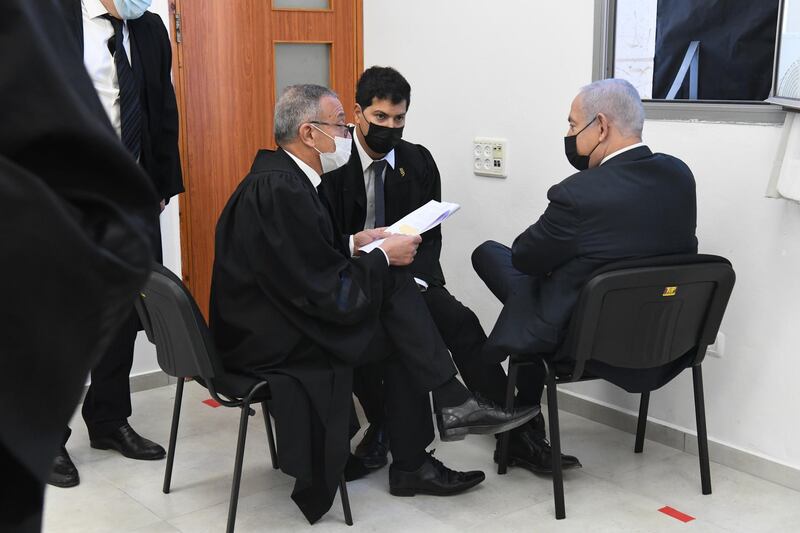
(75, 208)
(287, 299)
(637, 204)
(151, 61)
(412, 183)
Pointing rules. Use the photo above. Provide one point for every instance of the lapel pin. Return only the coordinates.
(402, 171)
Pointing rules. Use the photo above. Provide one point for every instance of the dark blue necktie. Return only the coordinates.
(380, 211)
(130, 108)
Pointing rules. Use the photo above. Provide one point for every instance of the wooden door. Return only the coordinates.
(225, 77)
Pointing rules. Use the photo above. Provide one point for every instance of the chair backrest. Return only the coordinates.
(646, 313)
(173, 322)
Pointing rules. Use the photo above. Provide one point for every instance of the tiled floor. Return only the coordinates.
(615, 491)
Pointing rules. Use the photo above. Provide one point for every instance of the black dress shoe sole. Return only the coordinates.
(405, 492)
(532, 467)
(459, 433)
(107, 444)
(374, 465)
(65, 484)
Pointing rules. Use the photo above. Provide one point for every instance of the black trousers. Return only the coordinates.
(463, 335)
(492, 263)
(407, 359)
(408, 416)
(107, 405)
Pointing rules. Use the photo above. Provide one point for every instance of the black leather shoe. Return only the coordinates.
(533, 454)
(130, 444)
(479, 415)
(354, 469)
(432, 478)
(373, 447)
(64, 474)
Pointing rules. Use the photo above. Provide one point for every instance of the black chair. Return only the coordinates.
(173, 322)
(634, 320)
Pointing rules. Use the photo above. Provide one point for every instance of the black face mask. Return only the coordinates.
(581, 162)
(381, 139)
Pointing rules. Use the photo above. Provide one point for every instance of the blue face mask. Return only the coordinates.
(131, 9)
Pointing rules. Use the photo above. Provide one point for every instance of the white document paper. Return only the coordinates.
(418, 222)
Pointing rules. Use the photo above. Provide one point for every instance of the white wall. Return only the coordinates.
(510, 69)
(144, 357)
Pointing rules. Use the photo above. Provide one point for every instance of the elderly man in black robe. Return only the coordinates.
(289, 297)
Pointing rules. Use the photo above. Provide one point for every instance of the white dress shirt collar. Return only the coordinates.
(94, 8)
(621, 150)
(312, 175)
(366, 160)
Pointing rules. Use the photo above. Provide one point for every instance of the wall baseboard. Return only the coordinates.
(686, 441)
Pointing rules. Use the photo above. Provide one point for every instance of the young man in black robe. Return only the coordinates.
(385, 179)
(76, 211)
(289, 297)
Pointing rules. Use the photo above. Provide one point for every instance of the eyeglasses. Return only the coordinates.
(345, 127)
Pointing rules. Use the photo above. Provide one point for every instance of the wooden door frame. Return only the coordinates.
(183, 199)
(184, 202)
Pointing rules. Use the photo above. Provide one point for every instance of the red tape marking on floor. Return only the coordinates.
(211, 403)
(674, 513)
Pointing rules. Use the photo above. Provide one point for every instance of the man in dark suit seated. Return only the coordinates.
(386, 178)
(287, 296)
(625, 202)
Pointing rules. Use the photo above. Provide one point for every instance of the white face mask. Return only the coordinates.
(131, 9)
(330, 161)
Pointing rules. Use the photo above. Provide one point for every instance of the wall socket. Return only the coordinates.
(489, 157)
(718, 348)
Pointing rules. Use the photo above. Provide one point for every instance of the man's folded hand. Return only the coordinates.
(367, 236)
(401, 249)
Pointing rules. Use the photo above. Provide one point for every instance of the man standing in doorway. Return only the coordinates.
(128, 56)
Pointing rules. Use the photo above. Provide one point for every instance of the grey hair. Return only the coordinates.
(297, 105)
(618, 100)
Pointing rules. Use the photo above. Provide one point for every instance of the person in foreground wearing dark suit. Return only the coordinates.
(127, 53)
(625, 202)
(288, 298)
(386, 178)
(76, 209)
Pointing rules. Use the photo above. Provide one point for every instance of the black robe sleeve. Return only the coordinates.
(426, 263)
(74, 212)
(299, 261)
(280, 226)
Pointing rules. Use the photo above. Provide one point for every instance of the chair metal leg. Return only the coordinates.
(555, 445)
(173, 435)
(273, 453)
(505, 438)
(702, 436)
(348, 515)
(642, 423)
(237, 466)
